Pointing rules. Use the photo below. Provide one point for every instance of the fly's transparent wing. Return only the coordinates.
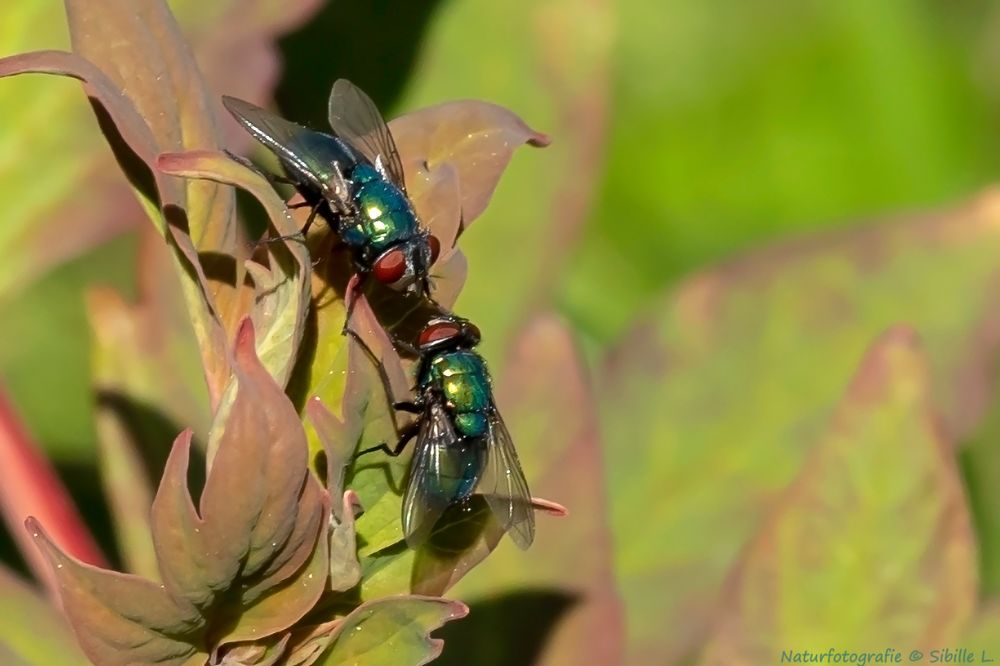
(308, 155)
(355, 118)
(504, 486)
(426, 496)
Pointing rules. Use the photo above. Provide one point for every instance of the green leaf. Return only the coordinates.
(878, 516)
(709, 405)
(392, 631)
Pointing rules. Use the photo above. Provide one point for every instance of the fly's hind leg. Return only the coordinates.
(408, 433)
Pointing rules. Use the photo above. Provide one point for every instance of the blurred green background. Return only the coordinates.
(685, 132)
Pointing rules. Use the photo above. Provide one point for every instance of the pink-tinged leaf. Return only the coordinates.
(263, 517)
(474, 139)
(139, 45)
(394, 631)
(309, 642)
(97, 85)
(722, 389)
(365, 401)
(338, 445)
(31, 487)
(172, 197)
(878, 516)
(448, 277)
(286, 603)
(121, 619)
(549, 408)
(345, 570)
(142, 355)
(237, 48)
(436, 197)
(266, 652)
(28, 615)
(282, 289)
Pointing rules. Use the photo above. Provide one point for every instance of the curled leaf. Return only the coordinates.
(476, 139)
(392, 631)
(281, 289)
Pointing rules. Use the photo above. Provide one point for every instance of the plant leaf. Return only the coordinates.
(139, 138)
(720, 391)
(262, 513)
(260, 653)
(345, 570)
(147, 381)
(471, 141)
(899, 544)
(281, 291)
(121, 619)
(138, 44)
(392, 631)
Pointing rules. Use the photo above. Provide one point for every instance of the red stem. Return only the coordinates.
(31, 487)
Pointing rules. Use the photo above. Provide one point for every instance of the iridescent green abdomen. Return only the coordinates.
(461, 377)
(385, 216)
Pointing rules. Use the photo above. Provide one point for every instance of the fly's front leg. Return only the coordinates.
(338, 193)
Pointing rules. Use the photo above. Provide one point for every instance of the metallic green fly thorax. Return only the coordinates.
(385, 216)
(462, 379)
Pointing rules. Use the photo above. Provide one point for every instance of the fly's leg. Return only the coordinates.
(354, 287)
(405, 406)
(408, 433)
(301, 233)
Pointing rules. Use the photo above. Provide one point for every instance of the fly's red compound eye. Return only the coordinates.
(435, 246)
(437, 332)
(390, 267)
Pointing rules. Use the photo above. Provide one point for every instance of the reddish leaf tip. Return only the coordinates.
(33, 526)
(245, 343)
(539, 140)
(549, 507)
(459, 609)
